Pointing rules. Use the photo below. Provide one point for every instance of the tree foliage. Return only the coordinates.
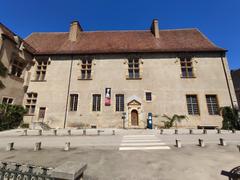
(173, 120)
(11, 116)
(230, 118)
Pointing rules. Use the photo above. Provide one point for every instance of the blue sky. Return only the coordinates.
(219, 20)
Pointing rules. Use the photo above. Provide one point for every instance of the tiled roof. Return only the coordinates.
(184, 40)
(9, 34)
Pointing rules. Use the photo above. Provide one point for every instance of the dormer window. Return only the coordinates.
(186, 67)
(17, 68)
(133, 68)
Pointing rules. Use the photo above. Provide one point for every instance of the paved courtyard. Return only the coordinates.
(130, 154)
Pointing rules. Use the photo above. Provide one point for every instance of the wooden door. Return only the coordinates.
(134, 118)
(41, 113)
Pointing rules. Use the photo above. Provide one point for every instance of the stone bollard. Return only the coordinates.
(39, 132)
(84, 132)
(98, 132)
(178, 143)
(54, 132)
(176, 131)
(10, 146)
(201, 143)
(190, 131)
(238, 146)
(233, 131)
(113, 132)
(37, 146)
(69, 132)
(222, 142)
(161, 131)
(25, 132)
(67, 146)
(204, 131)
(219, 131)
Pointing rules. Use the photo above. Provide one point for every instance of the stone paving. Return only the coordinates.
(106, 161)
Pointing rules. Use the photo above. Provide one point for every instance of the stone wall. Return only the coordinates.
(160, 74)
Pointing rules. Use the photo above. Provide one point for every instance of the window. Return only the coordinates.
(119, 102)
(96, 106)
(31, 102)
(17, 68)
(133, 68)
(73, 102)
(192, 105)
(7, 100)
(148, 96)
(212, 104)
(41, 70)
(186, 67)
(42, 111)
(86, 69)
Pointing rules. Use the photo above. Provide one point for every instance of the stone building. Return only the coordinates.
(16, 58)
(119, 78)
(236, 82)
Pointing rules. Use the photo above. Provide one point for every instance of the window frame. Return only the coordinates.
(184, 64)
(133, 66)
(86, 69)
(33, 103)
(18, 68)
(8, 98)
(192, 105)
(217, 103)
(119, 103)
(148, 92)
(73, 106)
(41, 70)
(96, 104)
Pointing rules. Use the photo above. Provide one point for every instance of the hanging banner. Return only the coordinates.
(107, 96)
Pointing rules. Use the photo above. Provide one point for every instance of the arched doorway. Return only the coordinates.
(134, 117)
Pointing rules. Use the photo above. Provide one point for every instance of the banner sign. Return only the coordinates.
(107, 96)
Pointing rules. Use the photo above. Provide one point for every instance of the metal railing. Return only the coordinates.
(69, 170)
(16, 171)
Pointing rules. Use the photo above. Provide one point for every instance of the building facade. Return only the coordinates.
(120, 78)
(16, 59)
(236, 82)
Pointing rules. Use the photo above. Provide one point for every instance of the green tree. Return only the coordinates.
(230, 118)
(11, 116)
(173, 120)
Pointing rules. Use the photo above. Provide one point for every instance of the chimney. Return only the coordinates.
(154, 28)
(75, 30)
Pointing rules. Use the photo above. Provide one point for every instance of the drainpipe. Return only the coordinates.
(69, 83)
(228, 86)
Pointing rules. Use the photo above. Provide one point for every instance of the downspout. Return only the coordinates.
(228, 86)
(68, 90)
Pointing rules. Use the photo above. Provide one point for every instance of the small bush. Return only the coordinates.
(230, 118)
(11, 116)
